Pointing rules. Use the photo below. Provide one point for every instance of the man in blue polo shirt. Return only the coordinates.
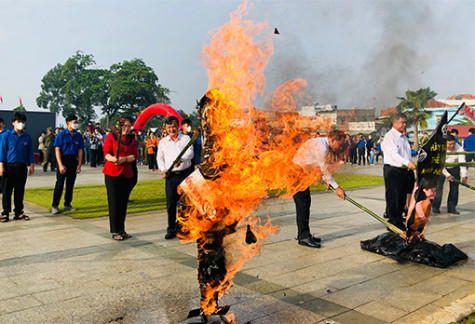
(469, 144)
(16, 153)
(69, 145)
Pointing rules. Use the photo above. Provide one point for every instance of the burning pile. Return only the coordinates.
(246, 152)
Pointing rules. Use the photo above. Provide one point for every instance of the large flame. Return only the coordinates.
(253, 149)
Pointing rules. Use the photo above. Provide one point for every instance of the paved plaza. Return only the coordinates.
(55, 269)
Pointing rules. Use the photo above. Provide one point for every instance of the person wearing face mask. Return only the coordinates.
(16, 153)
(69, 146)
(186, 130)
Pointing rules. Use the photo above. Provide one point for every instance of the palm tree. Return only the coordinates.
(413, 105)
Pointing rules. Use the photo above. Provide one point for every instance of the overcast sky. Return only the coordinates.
(354, 52)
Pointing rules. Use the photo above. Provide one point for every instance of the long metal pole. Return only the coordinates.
(392, 227)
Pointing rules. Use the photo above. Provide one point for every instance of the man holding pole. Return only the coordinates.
(313, 152)
(174, 172)
(397, 172)
(451, 174)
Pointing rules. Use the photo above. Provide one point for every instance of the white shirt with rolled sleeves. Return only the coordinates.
(313, 152)
(169, 149)
(456, 159)
(396, 149)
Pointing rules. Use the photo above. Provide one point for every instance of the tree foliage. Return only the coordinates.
(19, 108)
(76, 87)
(413, 106)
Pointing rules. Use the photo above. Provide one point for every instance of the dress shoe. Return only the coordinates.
(436, 211)
(315, 239)
(169, 236)
(309, 242)
(453, 212)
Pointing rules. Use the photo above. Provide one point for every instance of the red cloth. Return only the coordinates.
(128, 147)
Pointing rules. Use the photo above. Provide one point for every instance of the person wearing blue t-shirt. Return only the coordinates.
(455, 133)
(16, 154)
(69, 146)
(360, 146)
(469, 144)
(2, 132)
(370, 150)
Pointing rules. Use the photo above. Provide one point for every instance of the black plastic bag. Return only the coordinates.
(425, 252)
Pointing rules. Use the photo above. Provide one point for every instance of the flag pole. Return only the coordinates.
(456, 113)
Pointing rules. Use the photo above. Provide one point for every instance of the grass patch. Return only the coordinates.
(470, 319)
(91, 200)
(348, 181)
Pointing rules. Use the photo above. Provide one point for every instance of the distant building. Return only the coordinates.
(358, 121)
(326, 111)
(436, 108)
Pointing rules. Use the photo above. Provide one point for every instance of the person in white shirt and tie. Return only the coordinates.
(398, 179)
(168, 150)
(451, 174)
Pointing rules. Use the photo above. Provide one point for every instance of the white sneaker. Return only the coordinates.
(68, 208)
(54, 210)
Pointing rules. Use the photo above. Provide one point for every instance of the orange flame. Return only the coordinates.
(253, 150)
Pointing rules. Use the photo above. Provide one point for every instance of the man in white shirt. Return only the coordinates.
(168, 150)
(315, 152)
(397, 172)
(451, 174)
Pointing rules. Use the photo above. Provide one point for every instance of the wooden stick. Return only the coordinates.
(456, 164)
(457, 153)
(392, 227)
(463, 184)
(119, 139)
(194, 138)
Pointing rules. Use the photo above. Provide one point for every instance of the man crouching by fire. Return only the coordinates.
(317, 152)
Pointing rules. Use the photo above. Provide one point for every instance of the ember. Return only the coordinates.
(246, 152)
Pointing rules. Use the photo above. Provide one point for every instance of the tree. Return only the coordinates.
(463, 121)
(134, 86)
(413, 105)
(19, 108)
(76, 87)
(69, 88)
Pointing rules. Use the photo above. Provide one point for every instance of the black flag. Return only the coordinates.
(430, 163)
(431, 156)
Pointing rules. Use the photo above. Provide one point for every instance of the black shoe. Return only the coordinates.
(310, 243)
(436, 210)
(385, 215)
(315, 239)
(453, 212)
(169, 236)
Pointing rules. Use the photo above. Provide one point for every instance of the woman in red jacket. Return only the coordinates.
(119, 176)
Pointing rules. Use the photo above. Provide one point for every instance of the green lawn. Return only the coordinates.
(91, 201)
(470, 319)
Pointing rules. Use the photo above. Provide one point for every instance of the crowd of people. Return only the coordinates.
(67, 150)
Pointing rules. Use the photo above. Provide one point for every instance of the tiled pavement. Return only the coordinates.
(54, 269)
